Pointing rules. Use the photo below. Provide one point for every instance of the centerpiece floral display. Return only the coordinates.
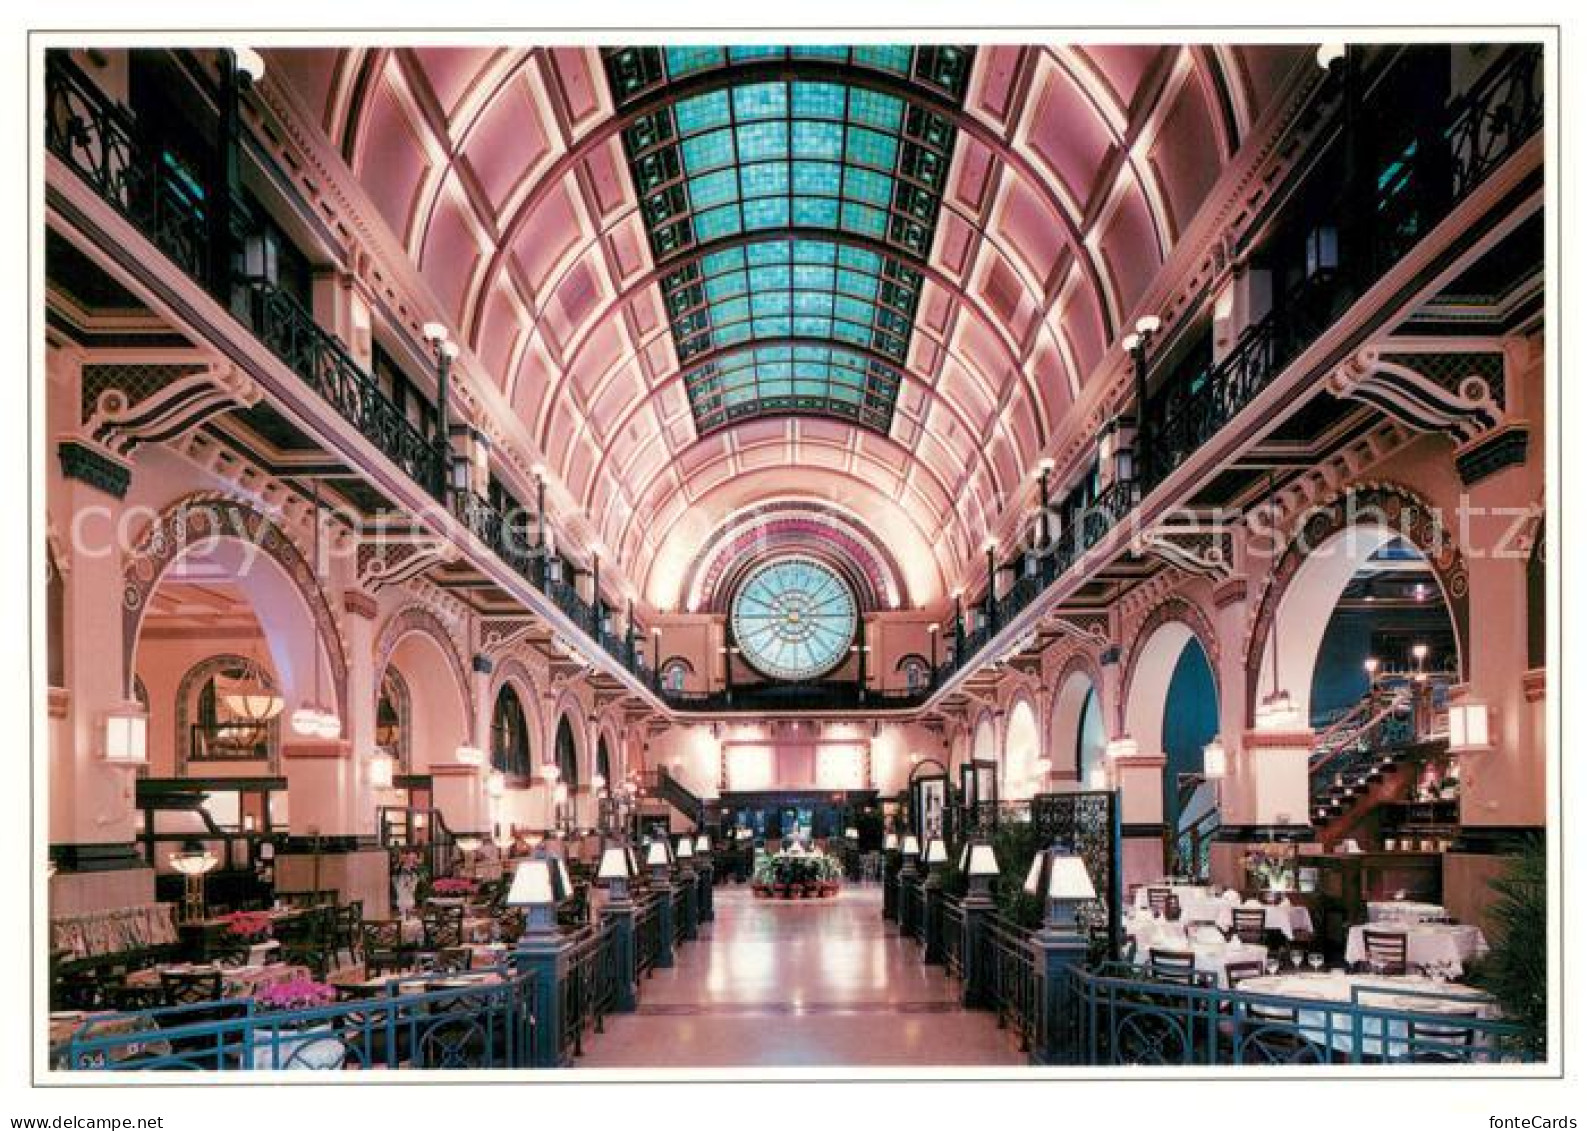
(796, 874)
(1272, 868)
(307, 1043)
(407, 873)
(248, 926)
(453, 887)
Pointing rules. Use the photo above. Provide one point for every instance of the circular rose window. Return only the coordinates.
(794, 619)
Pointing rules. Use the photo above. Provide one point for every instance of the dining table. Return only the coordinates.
(235, 981)
(1213, 952)
(1450, 945)
(1403, 911)
(1349, 1007)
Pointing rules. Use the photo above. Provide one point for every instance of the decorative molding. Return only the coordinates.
(417, 619)
(194, 679)
(79, 858)
(500, 634)
(1203, 551)
(360, 604)
(384, 561)
(1170, 610)
(1503, 447)
(1454, 393)
(1229, 593)
(95, 467)
(482, 664)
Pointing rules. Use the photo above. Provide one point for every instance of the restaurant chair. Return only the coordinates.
(1177, 967)
(305, 939)
(189, 987)
(1385, 949)
(1157, 899)
(347, 930)
(443, 928)
(382, 947)
(1434, 1042)
(452, 960)
(1250, 924)
(1238, 971)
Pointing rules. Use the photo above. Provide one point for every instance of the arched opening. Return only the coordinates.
(567, 754)
(54, 620)
(1537, 602)
(603, 760)
(1367, 593)
(509, 736)
(1075, 735)
(393, 719)
(1021, 749)
(1173, 710)
(210, 738)
(431, 704)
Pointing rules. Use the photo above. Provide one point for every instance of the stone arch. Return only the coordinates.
(402, 706)
(513, 672)
(1078, 678)
(1021, 747)
(411, 639)
(983, 737)
(1359, 519)
(228, 527)
(567, 752)
(193, 679)
(1149, 664)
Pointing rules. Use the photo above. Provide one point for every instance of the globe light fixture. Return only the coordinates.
(127, 734)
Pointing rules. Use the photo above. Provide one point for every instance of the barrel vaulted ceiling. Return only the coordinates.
(710, 281)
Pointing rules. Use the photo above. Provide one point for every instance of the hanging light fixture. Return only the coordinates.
(1276, 712)
(313, 719)
(248, 698)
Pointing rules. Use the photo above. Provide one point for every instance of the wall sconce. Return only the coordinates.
(1122, 747)
(127, 734)
(1469, 727)
(496, 783)
(1097, 778)
(1277, 712)
(1214, 760)
(469, 755)
(382, 770)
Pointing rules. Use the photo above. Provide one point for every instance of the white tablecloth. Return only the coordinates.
(1197, 904)
(1335, 1027)
(1289, 920)
(1453, 944)
(1402, 911)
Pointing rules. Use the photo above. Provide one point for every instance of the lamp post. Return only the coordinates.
(1146, 328)
(907, 877)
(445, 350)
(538, 885)
(1061, 880)
(615, 873)
(979, 863)
(935, 858)
(194, 862)
(991, 585)
(659, 860)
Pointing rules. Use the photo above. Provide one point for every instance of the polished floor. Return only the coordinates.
(799, 984)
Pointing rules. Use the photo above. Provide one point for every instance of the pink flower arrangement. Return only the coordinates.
(250, 926)
(296, 993)
(453, 886)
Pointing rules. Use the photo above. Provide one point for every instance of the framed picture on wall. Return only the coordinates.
(930, 805)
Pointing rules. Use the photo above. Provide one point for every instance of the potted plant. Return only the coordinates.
(253, 929)
(287, 1041)
(1515, 970)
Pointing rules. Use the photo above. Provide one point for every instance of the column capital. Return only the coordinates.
(316, 748)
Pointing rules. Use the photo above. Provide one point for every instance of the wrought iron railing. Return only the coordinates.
(1010, 978)
(424, 1022)
(1120, 1015)
(589, 988)
(952, 928)
(647, 933)
(761, 697)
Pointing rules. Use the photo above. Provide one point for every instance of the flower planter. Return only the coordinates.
(316, 1048)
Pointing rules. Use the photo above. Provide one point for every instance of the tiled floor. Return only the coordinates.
(807, 983)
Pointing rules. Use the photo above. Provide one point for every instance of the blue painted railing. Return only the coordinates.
(425, 1021)
(1120, 1015)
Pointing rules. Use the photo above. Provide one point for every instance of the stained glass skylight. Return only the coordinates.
(788, 193)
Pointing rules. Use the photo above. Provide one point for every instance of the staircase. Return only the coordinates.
(1369, 755)
(406, 829)
(661, 787)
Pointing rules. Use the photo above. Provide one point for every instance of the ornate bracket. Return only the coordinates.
(1204, 551)
(391, 562)
(1457, 393)
(153, 403)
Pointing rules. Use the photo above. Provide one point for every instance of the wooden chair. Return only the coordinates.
(443, 928)
(1239, 971)
(1157, 900)
(1385, 950)
(1177, 967)
(382, 947)
(305, 939)
(347, 929)
(453, 960)
(189, 987)
(1250, 924)
(1434, 1042)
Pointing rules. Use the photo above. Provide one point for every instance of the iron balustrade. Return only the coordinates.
(952, 928)
(1010, 977)
(647, 933)
(101, 143)
(589, 987)
(289, 331)
(429, 1022)
(678, 900)
(762, 697)
(1118, 1014)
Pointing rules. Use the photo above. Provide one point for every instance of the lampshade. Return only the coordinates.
(1214, 760)
(193, 861)
(658, 857)
(614, 863)
(330, 726)
(1122, 747)
(685, 850)
(535, 882)
(982, 860)
(702, 843)
(469, 755)
(1468, 726)
(249, 63)
(1069, 879)
(851, 833)
(468, 843)
(936, 851)
(1330, 53)
(247, 698)
(1032, 882)
(306, 721)
(496, 783)
(890, 842)
(911, 845)
(1097, 777)
(1277, 713)
(382, 770)
(127, 734)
